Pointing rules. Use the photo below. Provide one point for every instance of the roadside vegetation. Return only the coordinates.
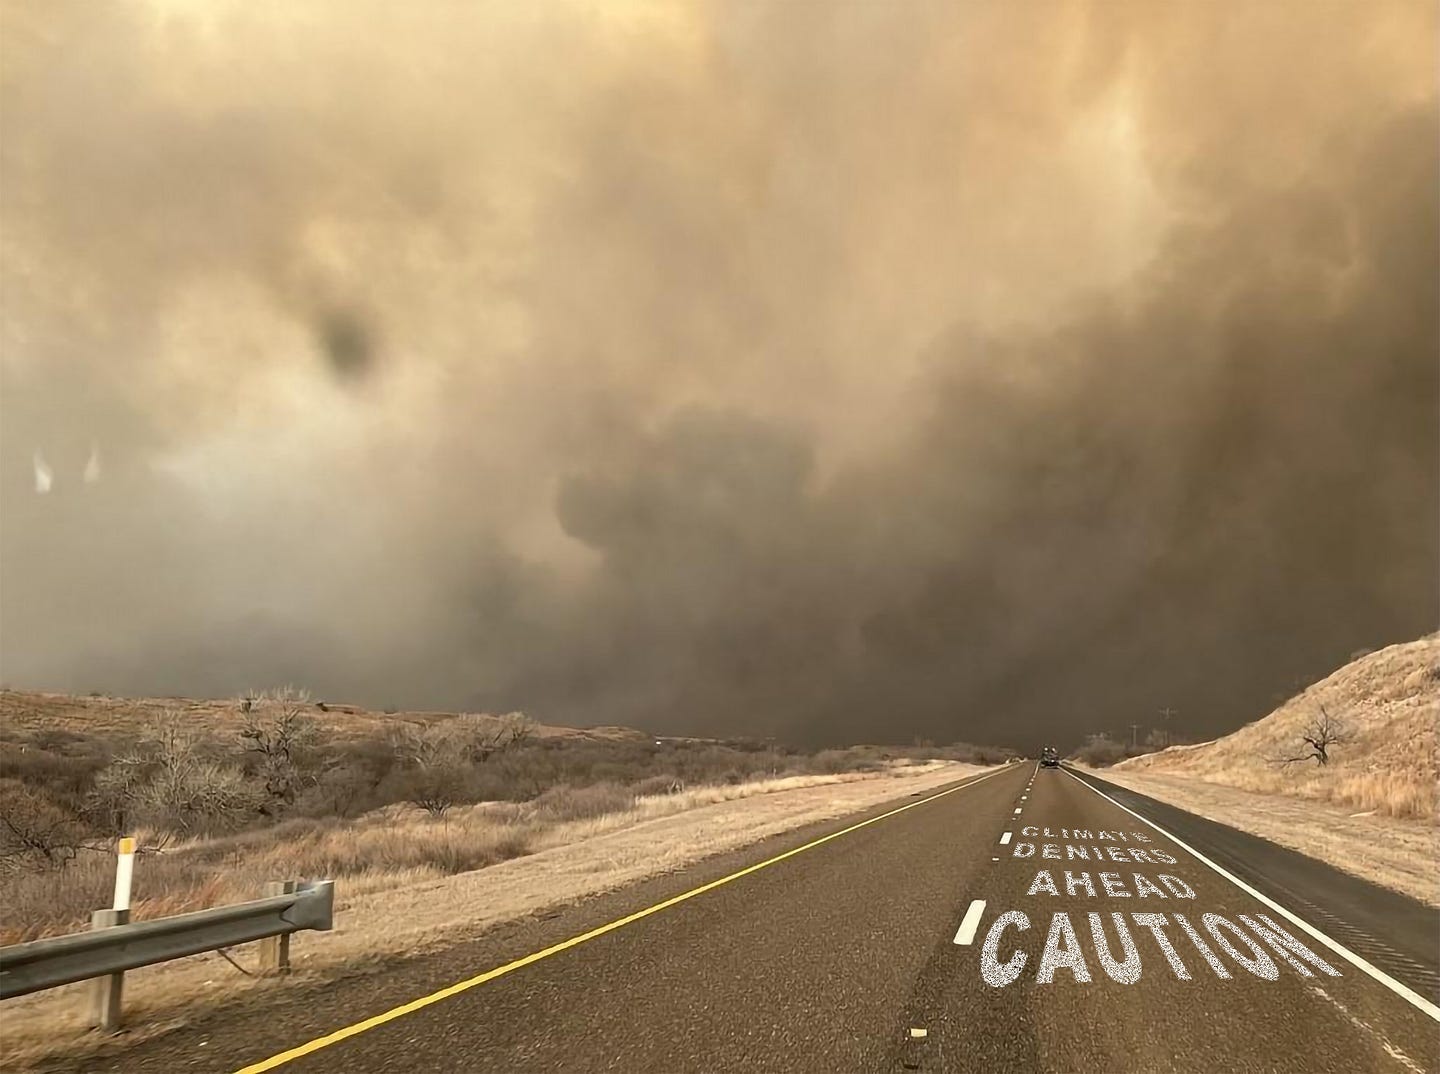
(279, 786)
(1363, 739)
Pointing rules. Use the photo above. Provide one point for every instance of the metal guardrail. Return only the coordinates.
(42, 964)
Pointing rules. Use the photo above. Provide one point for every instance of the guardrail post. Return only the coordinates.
(275, 950)
(105, 991)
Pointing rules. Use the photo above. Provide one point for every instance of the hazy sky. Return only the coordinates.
(843, 370)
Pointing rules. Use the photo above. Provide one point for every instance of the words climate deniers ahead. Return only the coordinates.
(1088, 858)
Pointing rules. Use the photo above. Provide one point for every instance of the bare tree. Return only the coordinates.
(34, 829)
(1319, 735)
(434, 754)
(426, 745)
(518, 727)
(482, 736)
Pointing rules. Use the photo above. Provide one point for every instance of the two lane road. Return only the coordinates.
(951, 933)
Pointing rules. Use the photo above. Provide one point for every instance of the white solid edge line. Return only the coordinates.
(1409, 995)
(1005, 838)
(970, 922)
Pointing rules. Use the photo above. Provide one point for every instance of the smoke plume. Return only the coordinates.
(835, 372)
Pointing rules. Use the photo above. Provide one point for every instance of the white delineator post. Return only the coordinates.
(124, 873)
(106, 991)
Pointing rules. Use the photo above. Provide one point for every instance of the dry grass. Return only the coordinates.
(1389, 699)
(389, 848)
(76, 772)
(1369, 812)
(1397, 854)
(571, 859)
(26, 711)
(214, 872)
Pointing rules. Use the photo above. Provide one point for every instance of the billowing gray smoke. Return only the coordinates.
(845, 371)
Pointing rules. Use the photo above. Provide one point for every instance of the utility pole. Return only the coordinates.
(1134, 736)
(1165, 715)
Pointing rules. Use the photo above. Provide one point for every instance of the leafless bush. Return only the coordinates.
(278, 739)
(440, 759)
(518, 728)
(1100, 751)
(344, 788)
(480, 737)
(832, 761)
(583, 803)
(433, 789)
(172, 783)
(433, 756)
(658, 785)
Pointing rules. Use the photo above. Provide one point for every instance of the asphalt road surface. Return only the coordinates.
(953, 933)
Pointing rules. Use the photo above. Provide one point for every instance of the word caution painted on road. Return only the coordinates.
(1159, 929)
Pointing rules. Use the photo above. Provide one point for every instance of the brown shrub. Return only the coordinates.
(1100, 752)
(582, 803)
(658, 785)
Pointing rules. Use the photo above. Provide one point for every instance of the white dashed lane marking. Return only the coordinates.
(970, 922)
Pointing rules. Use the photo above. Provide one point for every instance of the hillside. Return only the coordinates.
(32, 712)
(1388, 701)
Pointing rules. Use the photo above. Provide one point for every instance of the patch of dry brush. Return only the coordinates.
(275, 790)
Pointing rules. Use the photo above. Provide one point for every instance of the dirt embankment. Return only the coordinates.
(1387, 704)
(1370, 810)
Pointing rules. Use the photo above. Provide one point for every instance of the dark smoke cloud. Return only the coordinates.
(347, 343)
(984, 371)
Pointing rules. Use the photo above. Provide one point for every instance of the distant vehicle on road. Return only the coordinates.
(1049, 757)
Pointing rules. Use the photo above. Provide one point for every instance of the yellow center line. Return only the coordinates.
(463, 986)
